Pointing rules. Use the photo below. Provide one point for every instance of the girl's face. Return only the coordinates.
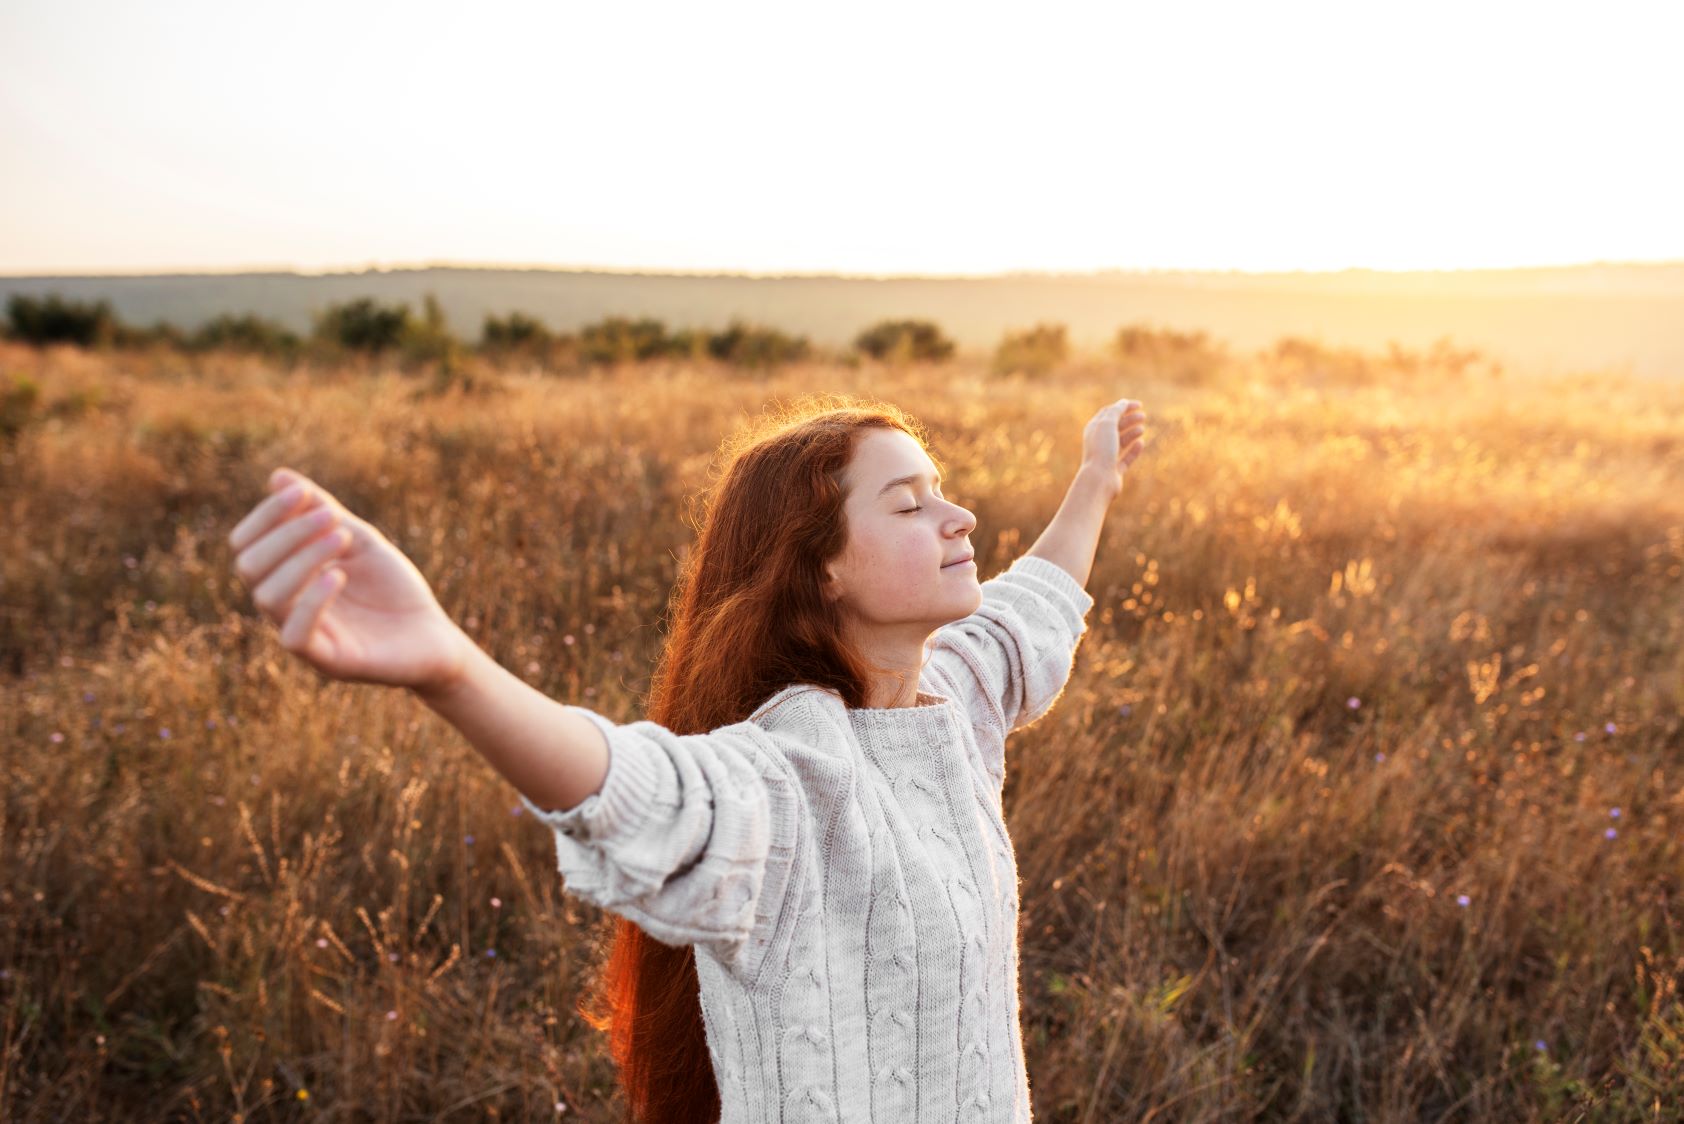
(902, 536)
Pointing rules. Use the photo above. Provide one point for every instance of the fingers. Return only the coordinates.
(255, 562)
(277, 591)
(290, 492)
(307, 612)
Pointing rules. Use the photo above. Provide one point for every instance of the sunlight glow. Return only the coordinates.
(866, 138)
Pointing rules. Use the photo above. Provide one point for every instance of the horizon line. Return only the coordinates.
(835, 275)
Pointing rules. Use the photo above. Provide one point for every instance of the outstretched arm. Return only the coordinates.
(1110, 444)
(553, 755)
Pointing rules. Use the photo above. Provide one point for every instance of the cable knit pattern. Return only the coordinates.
(845, 875)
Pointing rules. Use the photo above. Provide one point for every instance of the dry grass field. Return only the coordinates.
(1365, 800)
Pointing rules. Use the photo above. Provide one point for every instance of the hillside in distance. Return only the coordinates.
(1626, 317)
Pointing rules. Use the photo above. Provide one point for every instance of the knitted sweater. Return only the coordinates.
(844, 875)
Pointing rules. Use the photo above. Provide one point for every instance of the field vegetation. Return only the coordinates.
(1365, 800)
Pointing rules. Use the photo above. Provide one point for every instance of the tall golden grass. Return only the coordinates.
(1364, 801)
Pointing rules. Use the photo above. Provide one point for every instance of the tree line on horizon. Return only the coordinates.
(366, 327)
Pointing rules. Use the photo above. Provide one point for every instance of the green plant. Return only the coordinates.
(53, 319)
(904, 341)
(1033, 351)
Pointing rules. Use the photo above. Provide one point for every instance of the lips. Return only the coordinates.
(958, 561)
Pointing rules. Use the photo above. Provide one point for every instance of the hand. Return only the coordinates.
(349, 603)
(1112, 440)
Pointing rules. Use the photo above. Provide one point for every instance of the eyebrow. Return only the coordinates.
(900, 480)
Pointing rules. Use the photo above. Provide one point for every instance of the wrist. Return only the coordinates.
(1101, 479)
(454, 678)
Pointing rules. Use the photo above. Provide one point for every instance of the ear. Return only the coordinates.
(831, 585)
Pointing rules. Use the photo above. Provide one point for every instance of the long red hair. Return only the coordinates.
(747, 618)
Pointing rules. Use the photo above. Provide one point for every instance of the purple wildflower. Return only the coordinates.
(1609, 834)
(1463, 900)
(1353, 702)
(1609, 728)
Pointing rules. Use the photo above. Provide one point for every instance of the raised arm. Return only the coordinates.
(1008, 662)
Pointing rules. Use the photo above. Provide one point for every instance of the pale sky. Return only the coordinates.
(854, 137)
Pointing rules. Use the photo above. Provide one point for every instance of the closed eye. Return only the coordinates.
(911, 510)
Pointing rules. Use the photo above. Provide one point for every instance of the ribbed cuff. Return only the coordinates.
(1056, 576)
(627, 793)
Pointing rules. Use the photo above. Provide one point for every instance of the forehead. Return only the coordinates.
(883, 454)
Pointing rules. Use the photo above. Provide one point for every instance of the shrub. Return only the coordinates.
(52, 319)
(248, 333)
(619, 340)
(1034, 351)
(161, 334)
(1184, 357)
(363, 325)
(429, 339)
(18, 405)
(516, 332)
(748, 345)
(904, 341)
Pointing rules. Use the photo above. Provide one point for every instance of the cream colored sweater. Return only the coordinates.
(845, 875)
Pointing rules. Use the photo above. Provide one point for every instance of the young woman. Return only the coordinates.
(804, 841)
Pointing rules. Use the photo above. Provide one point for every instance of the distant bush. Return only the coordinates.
(52, 319)
(429, 339)
(363, 325)
(748, 345)
(160, 334)
(249, 333)
(1190, 358)
(621, 340)
(18, 405)
(516, 332)
(1034, 351)
(904, 341)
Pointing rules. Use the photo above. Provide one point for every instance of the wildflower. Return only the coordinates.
(303, 1094)
(321, 942)
(210, 723)
(1579, 737)
(1609, 834)
(568, 639)
(517, 810)
(1381, 757)
(1353, 702)
(1609, 728)
(392, 956)
(491, 953)
(560, 1108)
(468, 839)
(1125, 710)
(496, 903)
(391, 1015)
(1463, 900)
(164, 733)
(57, 737)
(1614, 812)
(1540, 1045)
(87, 696)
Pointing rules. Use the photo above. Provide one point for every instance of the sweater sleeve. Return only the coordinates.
(691, 836)
(1009, 660)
